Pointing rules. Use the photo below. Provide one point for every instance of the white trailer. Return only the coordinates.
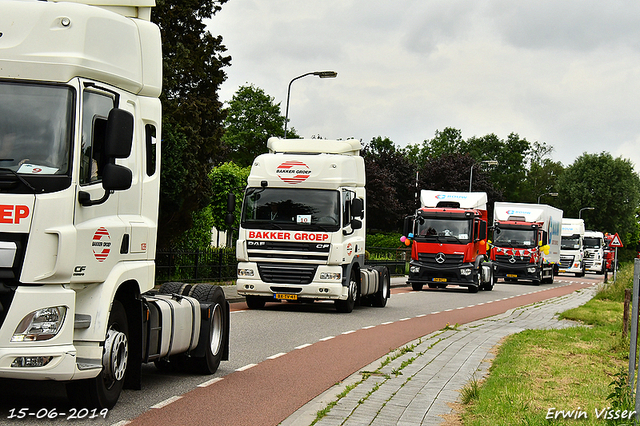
(302, 230)
(526, 241)
(572, 247)
(79, 185)
(594, 246)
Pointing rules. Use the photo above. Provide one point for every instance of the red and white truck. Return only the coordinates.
(79, 186)
(449, 241)
(526, 242)
(302, 229)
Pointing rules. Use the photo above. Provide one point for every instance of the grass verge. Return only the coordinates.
(543, 377)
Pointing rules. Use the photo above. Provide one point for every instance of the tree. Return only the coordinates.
(192, 113)
(252, 118)
(227, 178)
(610, 186)
(390, 185)
(542, 174)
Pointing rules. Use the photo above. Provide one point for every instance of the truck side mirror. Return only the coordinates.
(407, 227)
(356, 224)
(483, 230)
(357, 208)
(230, 218)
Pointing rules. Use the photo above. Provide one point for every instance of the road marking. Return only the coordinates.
(166, 402)
(122, 423)
(246, 367)
(303, 346)
(209, 382)
(422, 315)
(326, 338)
(368, 327)
(387, 323)
(349, 332)
(276, 355)
(404, 319)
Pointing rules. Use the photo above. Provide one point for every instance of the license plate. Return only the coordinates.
(286, 296)
(562, 270)
(512, 275)
(440, 280)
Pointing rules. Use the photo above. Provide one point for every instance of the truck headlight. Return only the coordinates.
(531, 270)
(245, 272)
(42, 324)
(414, 269)
(465, 272)
(336, 276)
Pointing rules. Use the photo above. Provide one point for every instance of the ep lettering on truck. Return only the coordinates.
(302, 230)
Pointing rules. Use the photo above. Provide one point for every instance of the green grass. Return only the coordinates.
(568, 369)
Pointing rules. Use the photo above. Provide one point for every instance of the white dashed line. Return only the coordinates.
(209, 382)
(349, 332)
(387, 323)
(404, 319)
(246, 367)
(327, 338)
(303, 346)
(368, 327)
(276, 355)
(166, 402)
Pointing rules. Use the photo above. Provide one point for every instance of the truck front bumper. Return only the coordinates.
(506, 271)
(461, 275)
(250, 283)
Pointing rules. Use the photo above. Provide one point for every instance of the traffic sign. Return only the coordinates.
(615, 242)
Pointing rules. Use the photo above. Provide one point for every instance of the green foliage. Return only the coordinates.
(384, 239)
(227, 178)
(193, 63)
(621, 396)
(609, 185)
(252, 118)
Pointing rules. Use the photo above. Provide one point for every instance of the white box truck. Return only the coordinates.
(526, 242)
(594, 246)
(79, 185)
(572, 247)
(302, 230)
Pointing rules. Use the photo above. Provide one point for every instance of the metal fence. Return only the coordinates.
(220, 265)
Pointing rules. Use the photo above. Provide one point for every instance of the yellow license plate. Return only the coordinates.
(286, 296)
(440, 280)
(562, 270)
(512, 275)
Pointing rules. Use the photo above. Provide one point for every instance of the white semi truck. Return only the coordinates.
(79, 185)
(594, 246)
(572, 247)
(302, 230)
(526, 242)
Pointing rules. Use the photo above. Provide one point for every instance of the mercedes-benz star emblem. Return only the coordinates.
(512, 259)
(440, 257)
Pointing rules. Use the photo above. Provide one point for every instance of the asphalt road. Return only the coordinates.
(309, 334)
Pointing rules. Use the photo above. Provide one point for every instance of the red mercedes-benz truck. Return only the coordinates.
(449, 241)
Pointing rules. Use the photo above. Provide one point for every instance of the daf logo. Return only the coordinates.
(256, 243)
(512, 259)
(440, 257)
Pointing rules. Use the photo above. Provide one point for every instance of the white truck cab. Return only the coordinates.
(572, 247)
(594, 247)
(302, 230)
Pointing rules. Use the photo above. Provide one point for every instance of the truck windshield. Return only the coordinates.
(570, 243)
(449, 230)
(284, 208)
(520, 238)
(35, 128)
(592, 243)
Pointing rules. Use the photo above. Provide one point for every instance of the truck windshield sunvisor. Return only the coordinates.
(283, 208)
(36, 123)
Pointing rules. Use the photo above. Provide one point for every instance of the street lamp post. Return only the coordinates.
(489, 162)
(321, 74)
(553, 194)
(584, 208)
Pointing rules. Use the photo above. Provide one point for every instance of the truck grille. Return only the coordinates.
(450, 260)
(286, 273)
(566, 262)
(318, 252)
(518, 260)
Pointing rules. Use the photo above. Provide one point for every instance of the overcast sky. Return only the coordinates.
(563, 72)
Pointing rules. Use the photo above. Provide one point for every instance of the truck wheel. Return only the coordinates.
(255, 302)
(473, 288)
(346, 306)
(216, 337)
(379, 299)
(175, 288)
(104, 390)
(416, 286)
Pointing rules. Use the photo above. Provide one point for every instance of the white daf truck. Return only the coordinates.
(526, 242)
(572, 247)
(594, 251)
(79, 185)
(302, 230)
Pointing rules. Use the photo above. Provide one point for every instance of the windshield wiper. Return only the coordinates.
(20, 178)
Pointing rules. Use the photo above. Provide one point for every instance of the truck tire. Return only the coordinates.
(346, 306)
(255, 302)
(416, 286)
(379, 299)
(218, 335)
(104, 390)
(175, 288)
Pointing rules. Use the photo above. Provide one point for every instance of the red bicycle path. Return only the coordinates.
(269, 392)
